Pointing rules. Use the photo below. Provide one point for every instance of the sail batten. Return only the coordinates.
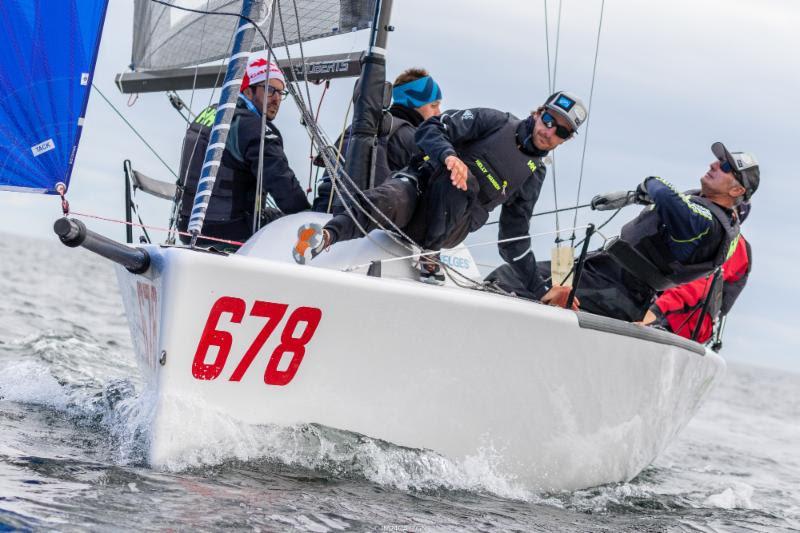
(46, 65)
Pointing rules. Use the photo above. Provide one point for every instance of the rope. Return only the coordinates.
(339, 147)
(575, 208)
(311, 147)
(154, 228)
(466, 246)
(134, 130)
(589, 120)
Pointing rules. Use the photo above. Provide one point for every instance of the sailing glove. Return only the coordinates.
(613, 200)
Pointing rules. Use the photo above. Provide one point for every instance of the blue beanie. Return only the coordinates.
(417, 93)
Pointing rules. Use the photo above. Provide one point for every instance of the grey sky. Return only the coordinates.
(673, 77)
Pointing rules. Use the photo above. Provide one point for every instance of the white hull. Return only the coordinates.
(563, 405)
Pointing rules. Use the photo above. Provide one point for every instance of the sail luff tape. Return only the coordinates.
(238, 56)
(205, 180)
(377, 50)
(210, 164)
(244, 27)
(220, 127)
(236, 81)
(216, 146)
(223, 107)
(204, 193)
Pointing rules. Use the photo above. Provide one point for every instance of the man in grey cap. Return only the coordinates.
(677, 238)
(473, 161)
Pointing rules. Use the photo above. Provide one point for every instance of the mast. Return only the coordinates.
(229, 94)
(368, 109)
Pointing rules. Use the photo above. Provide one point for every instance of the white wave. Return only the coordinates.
(737, 496)
(200, 436)
(31, 382)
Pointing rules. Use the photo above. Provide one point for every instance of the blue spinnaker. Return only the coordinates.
(47, 59)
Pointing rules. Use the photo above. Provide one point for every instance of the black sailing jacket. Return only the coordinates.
(233, 196)
(491, 143)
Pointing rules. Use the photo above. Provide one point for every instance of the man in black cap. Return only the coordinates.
(475, 160)
(677, 238)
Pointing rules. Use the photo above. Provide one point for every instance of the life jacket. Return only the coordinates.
(499, 167)
(642, 248)
(225, 206)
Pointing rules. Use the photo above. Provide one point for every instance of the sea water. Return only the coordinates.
(73, 435)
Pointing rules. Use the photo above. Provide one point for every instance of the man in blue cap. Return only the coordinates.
(475, 161)
(416, 97)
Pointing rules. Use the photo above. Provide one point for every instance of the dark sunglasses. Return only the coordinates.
(728, 169)
(550, 122)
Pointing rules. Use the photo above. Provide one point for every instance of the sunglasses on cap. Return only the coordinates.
(550, 122)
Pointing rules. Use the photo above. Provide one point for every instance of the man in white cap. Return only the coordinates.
(232, 207)
(475, 160)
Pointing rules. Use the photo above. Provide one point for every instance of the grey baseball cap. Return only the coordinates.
(568, 106)
(744, 166)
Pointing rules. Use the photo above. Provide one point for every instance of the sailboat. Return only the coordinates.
(563, 399)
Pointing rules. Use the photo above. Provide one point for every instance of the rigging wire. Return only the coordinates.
(181, 183)
(551, 80)
(319, 137)
(335, 171)
(588, 120)
(133, 129)
(552, 211)
(547, 47)
(258, 208)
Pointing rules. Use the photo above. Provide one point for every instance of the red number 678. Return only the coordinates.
(273, 312)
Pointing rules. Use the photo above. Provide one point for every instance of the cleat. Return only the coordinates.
(310, 242)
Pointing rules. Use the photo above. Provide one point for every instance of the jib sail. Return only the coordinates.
(47, 60)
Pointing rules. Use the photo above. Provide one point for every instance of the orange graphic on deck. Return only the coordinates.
(303, 243)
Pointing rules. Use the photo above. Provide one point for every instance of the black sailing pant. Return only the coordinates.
(438, 218)
(605, 288)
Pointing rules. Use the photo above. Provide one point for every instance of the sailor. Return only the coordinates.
(415, 98)
(231, 209)
(677, 238)
(475, 161)
(679, 309)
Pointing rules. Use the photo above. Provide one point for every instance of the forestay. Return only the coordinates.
(169, 38)
(47, 60)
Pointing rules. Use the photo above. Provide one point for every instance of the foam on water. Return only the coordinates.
(739, 496)
(31, 382)
(215, 438)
